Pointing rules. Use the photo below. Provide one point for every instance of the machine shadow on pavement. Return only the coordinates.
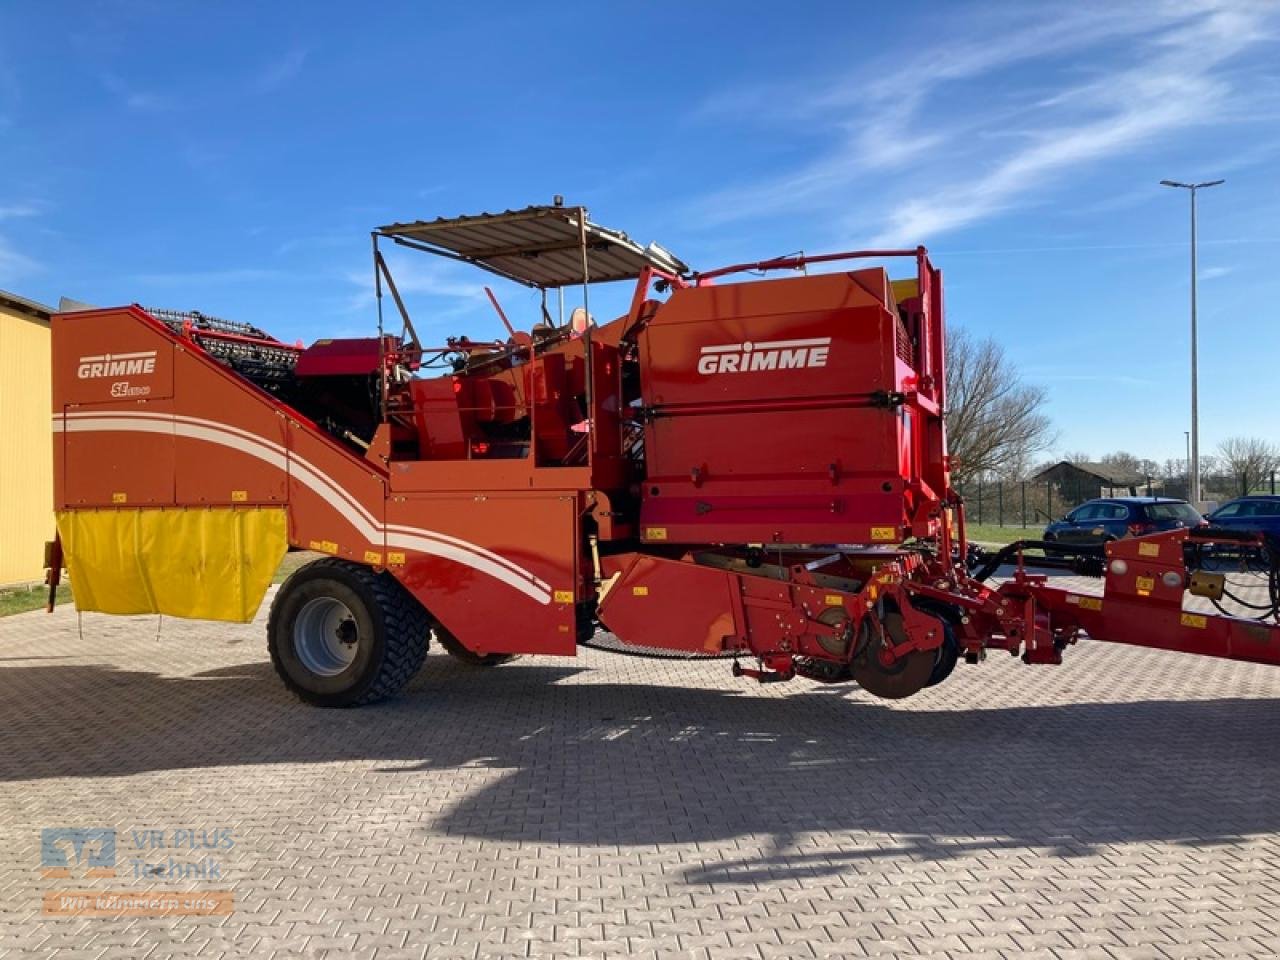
(610, 763)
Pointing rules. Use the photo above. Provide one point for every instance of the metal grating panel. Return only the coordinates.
(906, 350)
(246, 349)
(537, 246)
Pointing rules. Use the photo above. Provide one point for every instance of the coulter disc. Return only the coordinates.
(903, 677)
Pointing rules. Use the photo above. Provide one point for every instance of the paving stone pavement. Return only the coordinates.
(1123, 805)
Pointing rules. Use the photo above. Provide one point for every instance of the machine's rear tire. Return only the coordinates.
(455, 649)
(341, 635)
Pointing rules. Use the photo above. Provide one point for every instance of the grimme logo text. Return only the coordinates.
(116, 365)
(750, 357)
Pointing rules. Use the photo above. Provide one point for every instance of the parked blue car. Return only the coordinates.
(1260, 514)
(1114, 518)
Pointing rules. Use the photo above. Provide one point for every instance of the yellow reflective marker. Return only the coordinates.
(395, 558)
(323, 546)
(639, 591)
(564, 596)
(884, 533)
(1086, 603)
(239, 496)
(1145, 585)
(1194, 620)
(1148, 549)
(833, 600)
(373, 557)
(119, 498)
(655, 533)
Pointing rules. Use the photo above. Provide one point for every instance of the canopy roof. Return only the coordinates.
(536, 246)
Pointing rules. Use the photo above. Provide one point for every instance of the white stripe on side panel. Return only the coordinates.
(300, 464)
(429, 542)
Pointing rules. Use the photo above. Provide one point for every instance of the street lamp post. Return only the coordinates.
(1194, 455)
(1188, 435)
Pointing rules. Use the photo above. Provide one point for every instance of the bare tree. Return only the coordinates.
(995, 422)
(1123, 461)
(1128, 463)
(1173, 477)
(1248, 461)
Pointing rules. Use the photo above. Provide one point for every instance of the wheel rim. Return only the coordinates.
(325, 636)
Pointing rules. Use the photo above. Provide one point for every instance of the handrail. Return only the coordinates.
(796, 262)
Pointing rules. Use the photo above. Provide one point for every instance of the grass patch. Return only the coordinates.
(291, 562)
(990, 533)
(25, 599)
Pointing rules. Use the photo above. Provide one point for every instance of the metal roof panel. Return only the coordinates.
(23, 305)
(539, 246)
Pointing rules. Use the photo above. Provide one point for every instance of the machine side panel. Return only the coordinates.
(109, 357)
(118, 457)
(110, 371)
(768, 414)
(804, 337)
(243, 466)
(840, 499)
(500, 571)
(337, 502)
(673, 605)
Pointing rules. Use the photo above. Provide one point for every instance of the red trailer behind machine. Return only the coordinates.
(753, 468)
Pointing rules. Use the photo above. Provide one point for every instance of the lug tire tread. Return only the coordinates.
(406, 627)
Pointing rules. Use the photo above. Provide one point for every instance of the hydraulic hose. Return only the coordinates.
(1007, 554)
(1268, 555)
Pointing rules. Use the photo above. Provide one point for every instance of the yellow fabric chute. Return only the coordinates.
(205, 564)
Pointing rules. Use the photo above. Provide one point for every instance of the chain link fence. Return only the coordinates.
(1034, 503)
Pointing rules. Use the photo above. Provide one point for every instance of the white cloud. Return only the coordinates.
(143, 101)
(10, 94)
(961, 130)
(14, 265)
(196, 277)
(283, 71)
(12, 210)
(313, 241)
(450, 287)
(1213, 273)
(1117, 378)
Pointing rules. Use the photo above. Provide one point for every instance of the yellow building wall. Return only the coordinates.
(26, 447)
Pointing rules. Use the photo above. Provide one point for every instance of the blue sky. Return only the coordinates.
(232, 158)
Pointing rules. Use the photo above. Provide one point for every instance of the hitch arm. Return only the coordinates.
(1146, 581)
